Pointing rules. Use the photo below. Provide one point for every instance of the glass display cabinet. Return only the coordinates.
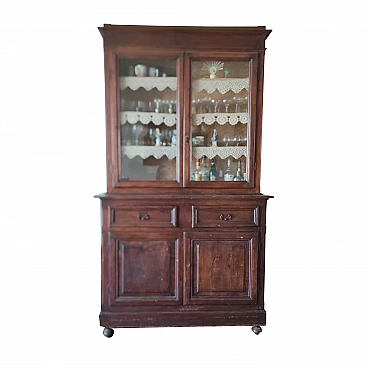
(183, 218)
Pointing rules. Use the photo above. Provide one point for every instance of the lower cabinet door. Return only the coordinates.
(143, 268)
(221, 268)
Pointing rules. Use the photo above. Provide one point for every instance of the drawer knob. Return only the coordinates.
(226, 217)
(143, 217)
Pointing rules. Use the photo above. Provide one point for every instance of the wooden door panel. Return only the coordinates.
(144, 270)
(221, 270)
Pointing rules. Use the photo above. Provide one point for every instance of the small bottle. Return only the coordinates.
(214, 138)
(213, 171)
(197, 172)
(204, 172)
(141, 136)
(221, 175)
(173, 140)
(239, 176)
(229, 176)
(147, 137)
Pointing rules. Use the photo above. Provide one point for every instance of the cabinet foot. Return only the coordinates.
(257, 329)
(108, 332)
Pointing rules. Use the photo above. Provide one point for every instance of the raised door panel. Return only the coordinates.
(220, 269)
(144, 270)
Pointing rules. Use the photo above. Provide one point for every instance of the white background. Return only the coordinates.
(314, 161)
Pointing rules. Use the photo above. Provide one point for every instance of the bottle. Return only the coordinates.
(221, 175)
(204, 172)
(213, 171)
(173, 140)
(148, 137)
(239, 176)
(229, 176)
(197, 172)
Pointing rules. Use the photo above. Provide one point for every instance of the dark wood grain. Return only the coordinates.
(183, 319)
(235, 43)
(176, 252)
(143, 216)
(224, 39)
(143, 269)
(224, 217)
(221, 268)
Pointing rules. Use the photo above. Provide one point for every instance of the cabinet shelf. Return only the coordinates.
(223, 152)
(133, 117)
(147, 151)
(148, 83)
(222, 85)
(220, 118)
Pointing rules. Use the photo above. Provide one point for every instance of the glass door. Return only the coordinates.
(148, 121)
(221, 137)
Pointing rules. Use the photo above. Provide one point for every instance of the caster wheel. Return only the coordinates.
(108, 332)
(257, 329)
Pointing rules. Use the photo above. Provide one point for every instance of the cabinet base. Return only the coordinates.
(183, 319)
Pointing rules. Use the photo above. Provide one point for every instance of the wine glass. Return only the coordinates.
(243, 102)
(227, 103)
(215, 105)
(237, 101)
(244, 141)
(194, 106)
(207, 104)
(237, 140)
(224, 141)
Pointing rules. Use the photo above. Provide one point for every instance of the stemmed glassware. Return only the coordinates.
(227, 103)
(239, 101)
(215, 103)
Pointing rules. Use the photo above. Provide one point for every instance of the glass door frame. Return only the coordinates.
(112, 92)
(253, 60)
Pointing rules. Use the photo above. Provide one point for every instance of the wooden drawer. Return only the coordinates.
(225, 216)
(143, 216)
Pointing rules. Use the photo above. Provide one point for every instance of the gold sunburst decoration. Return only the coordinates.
(213, 67)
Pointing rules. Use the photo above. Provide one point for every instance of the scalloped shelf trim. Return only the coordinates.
(221, 118)
(222, 152)
(148, 83)
(222, 85)
(147, 151)
(133, 117)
